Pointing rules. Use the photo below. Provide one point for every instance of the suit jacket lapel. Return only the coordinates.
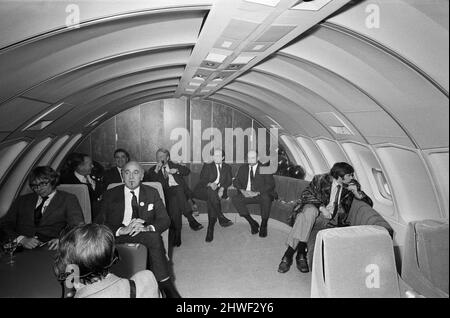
(120, 201)
(142, 198)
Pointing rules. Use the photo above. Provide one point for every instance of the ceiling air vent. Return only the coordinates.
(335, 123)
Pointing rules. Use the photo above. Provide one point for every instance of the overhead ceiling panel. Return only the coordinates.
(408, 97)
(416, 30)
(18, 111)
(30, 64)
(142, 64)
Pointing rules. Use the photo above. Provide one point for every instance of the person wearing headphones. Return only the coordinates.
(85, 256)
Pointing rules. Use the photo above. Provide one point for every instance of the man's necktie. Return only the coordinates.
(252, 179)
(134, 206)
(219, 172)
(336, 199)
(89, 185)
(166, 175)
(38, 211)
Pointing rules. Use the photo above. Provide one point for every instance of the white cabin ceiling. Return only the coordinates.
(386, 84)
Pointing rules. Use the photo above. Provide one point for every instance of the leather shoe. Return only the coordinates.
(224, 222)
(209, 236)
(194, 225)
(263, 231)
(285, 264)
(254, 228)
(302, 263)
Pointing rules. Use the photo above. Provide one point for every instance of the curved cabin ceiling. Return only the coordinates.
(308, 67)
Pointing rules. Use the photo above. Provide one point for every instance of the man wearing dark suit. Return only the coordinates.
(78, 171)
(136, 214)
(254, 187)
(171, 176)
(39, 217)
(114, 175)
(215, 178)
(319, 206)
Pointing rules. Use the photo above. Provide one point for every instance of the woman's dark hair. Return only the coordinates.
(122, 151)
(44, 173)
(90, 247)
(340, 169)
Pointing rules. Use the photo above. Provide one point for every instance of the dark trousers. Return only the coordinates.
(264, 200)
(177, 205)
(156, 253)
(212, 200)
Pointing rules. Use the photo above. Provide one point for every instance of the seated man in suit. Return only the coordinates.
(319, 206)
(254, 187)
(215, 178)
(78, 170)
(39, 217)
(114, 175)
(171, 176)
(136, 214)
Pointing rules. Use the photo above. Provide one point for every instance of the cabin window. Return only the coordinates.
(62, 154)
(318, 163)
(8, 154)
(331, 151)
(17, 176)
(50, 154)
(382, 184)
(298, 155)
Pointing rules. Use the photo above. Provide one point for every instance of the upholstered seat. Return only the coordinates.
(356, 261)
(425, 263)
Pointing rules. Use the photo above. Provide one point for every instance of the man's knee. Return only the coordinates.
(310, 210)
(152, 239)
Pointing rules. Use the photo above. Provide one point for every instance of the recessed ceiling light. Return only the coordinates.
(227, 44)
(215, 57)
(91, 123)
(199, 77)
(40, 117)
(194, 84)
(271, 3)
(206, 91)
(218, 79)
(190, 90)
(212, 85)
(243, 59)
(258, 47)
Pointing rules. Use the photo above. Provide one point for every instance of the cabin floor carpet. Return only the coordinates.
(235, 265)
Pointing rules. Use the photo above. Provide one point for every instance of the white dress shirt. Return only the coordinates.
(85, 179)
(172, 182)
(249, 182)
(334, 189)
(218, 173)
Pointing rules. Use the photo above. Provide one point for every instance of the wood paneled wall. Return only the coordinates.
(147, 127)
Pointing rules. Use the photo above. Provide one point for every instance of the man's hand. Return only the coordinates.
(172, 171)
(249, 194)
(158, 167)
(53, 244)
(135, 227)
(213, 186)
(30, 242)
(325, 212)
(220, 193)
(354, 189)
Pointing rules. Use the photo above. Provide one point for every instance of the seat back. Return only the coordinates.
(425, 265)
(289, 189)
(81, 191)
(356, 261)
(133, 258)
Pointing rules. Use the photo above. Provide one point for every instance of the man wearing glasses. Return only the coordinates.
(325, 202)
(37, 218)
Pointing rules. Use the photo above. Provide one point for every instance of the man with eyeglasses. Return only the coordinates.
(37, 219)
(324, 203)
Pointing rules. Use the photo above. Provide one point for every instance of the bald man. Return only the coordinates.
(136, 214)
(254, 187)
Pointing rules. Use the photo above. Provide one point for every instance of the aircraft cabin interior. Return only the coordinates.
(260, 148)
